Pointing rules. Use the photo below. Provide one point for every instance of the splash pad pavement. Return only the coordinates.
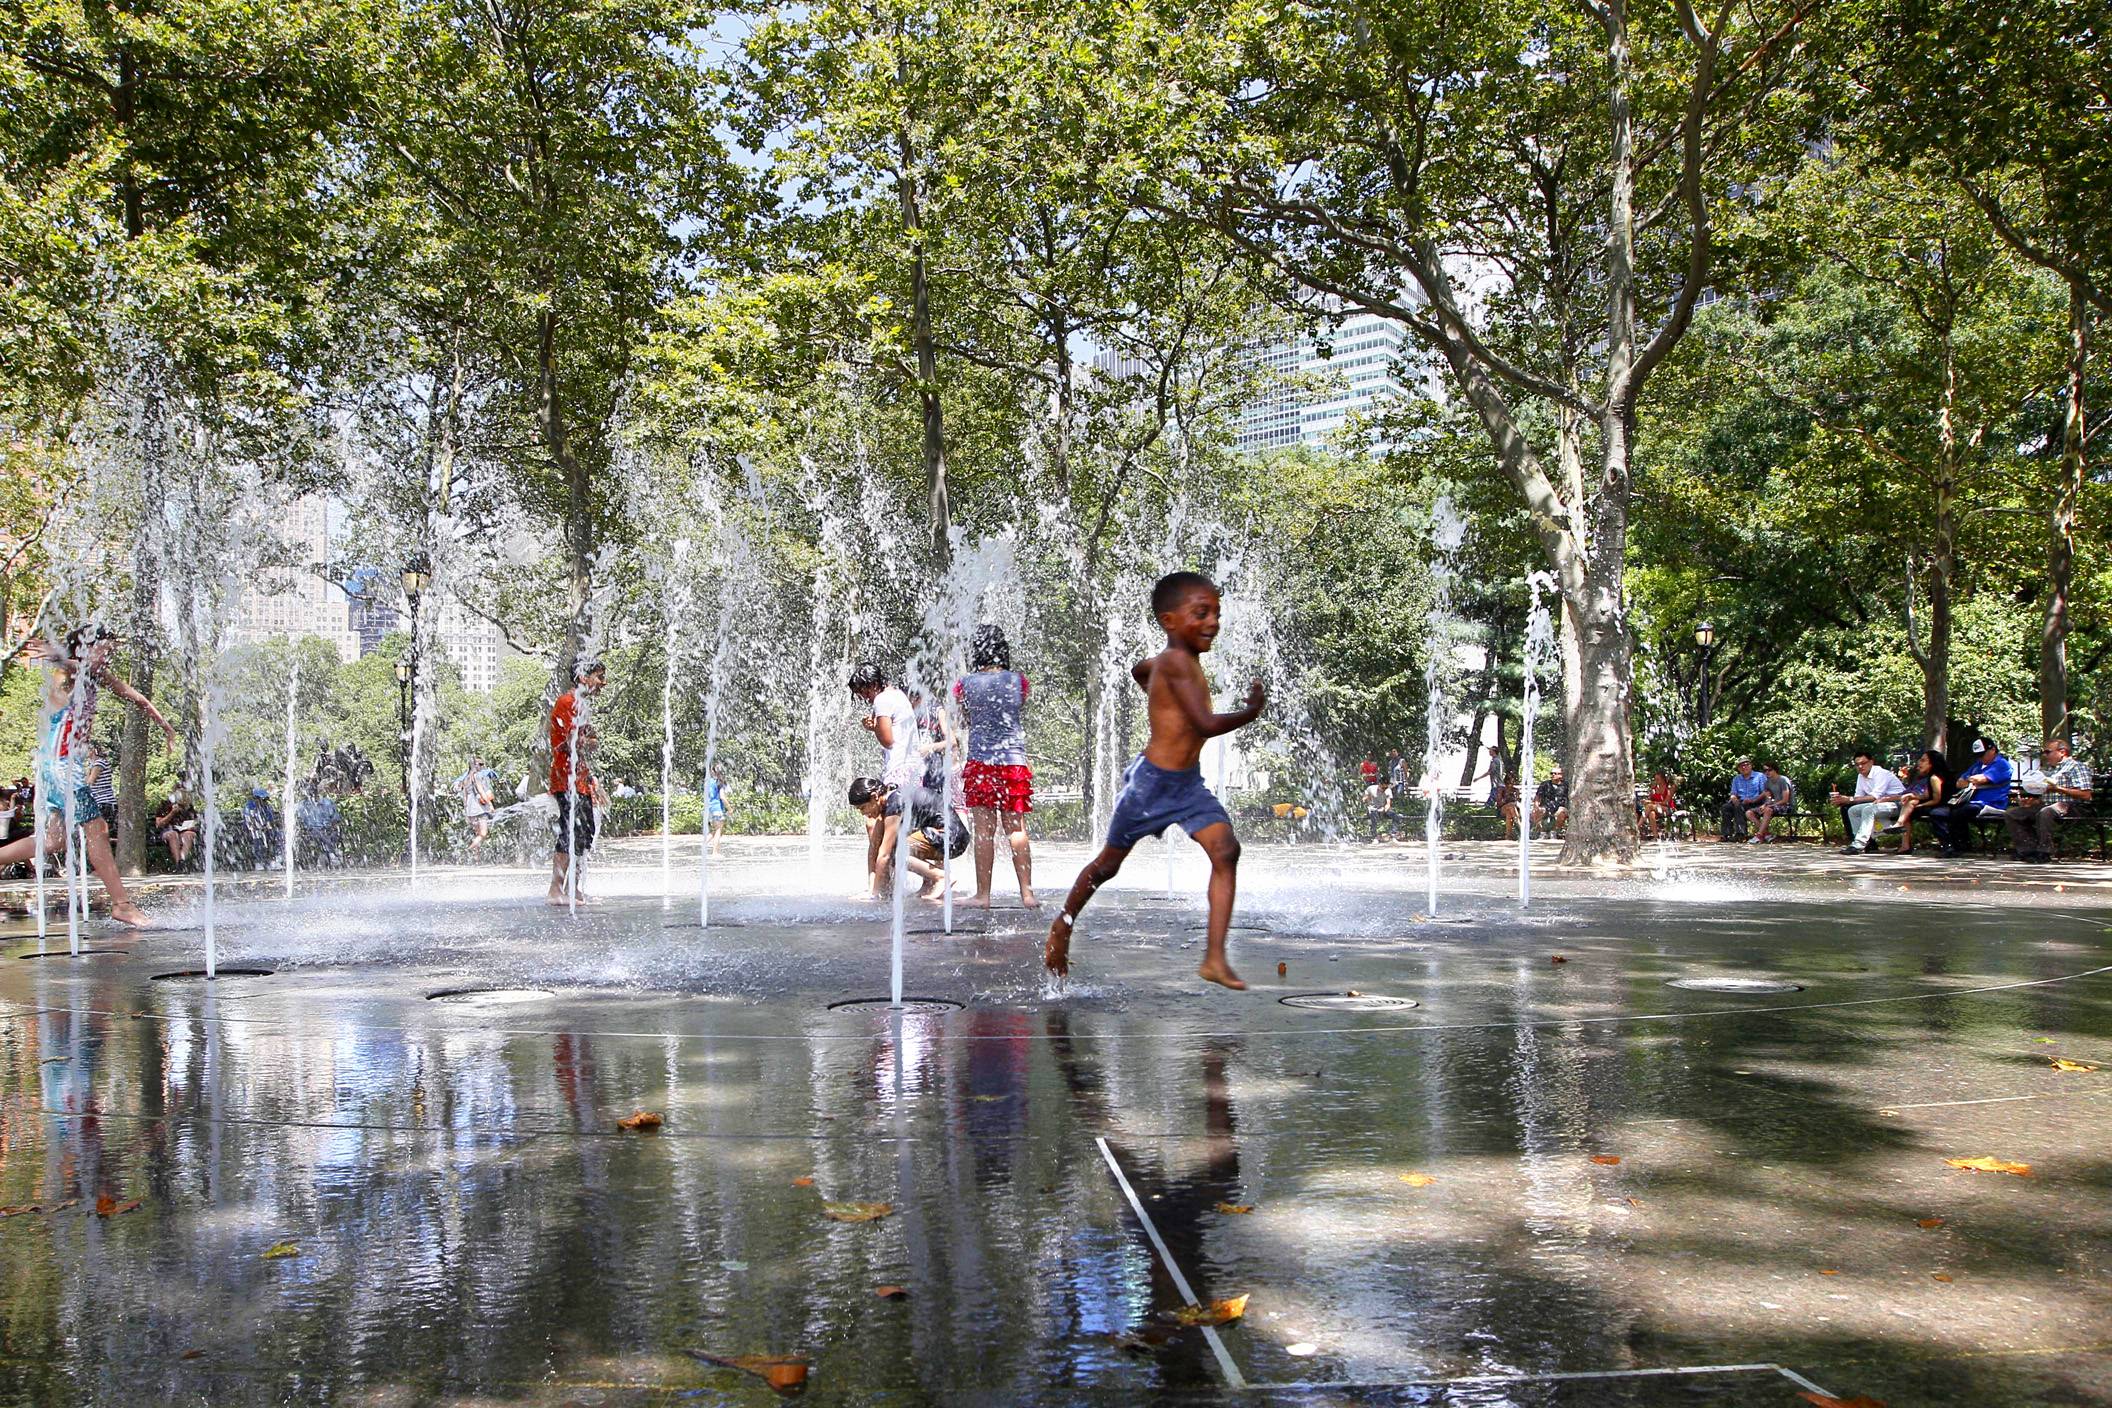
(387, 1166)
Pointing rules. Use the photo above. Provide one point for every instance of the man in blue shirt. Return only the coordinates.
(1747, 790)
(1982, 791)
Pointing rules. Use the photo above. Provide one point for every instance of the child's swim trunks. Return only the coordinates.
(1154, 798)
(1002, 787)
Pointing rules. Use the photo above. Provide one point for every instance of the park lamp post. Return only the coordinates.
(404, 671)
(1705, 637)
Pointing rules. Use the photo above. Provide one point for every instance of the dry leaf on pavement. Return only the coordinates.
(1234, 1209)
(1607, 1159)
(1557, 958)
(1930, 1222)
(279, 1249)
(1417, 1180)
(2062, 1065)
(1988, 1163)
(1827, 1400)
(856, 1212)
(1939, 1276)
(802, 1182)
(783, 1372)
(1217, 1312)
(891, 1293)
(641, 1119)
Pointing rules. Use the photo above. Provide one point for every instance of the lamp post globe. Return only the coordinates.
(1705, 637)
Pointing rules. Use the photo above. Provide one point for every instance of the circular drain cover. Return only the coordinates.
(882, 1004)
(489, 997)
(216, 974)
(84, 953)
(1741, 985)
(1347, 1002)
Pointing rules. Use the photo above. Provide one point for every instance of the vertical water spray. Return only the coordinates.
(1447, 530)
(286, 814)
(1538, 638)
(711, 738)
(667, 734)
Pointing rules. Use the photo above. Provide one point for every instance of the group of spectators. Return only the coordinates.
(1950, 799)
(1550, 810)
(1884, 804)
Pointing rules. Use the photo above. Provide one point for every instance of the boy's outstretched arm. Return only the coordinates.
(1188, 692)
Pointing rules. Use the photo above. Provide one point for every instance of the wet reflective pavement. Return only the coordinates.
(1610, 1175)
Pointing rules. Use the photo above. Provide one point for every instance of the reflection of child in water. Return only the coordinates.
(879, 804)
(1165, 784)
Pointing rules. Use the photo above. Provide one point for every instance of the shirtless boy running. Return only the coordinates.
(1165, 786)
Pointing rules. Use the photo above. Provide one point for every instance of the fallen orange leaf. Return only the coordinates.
(641, 1119)
(1827, 1400)
(194, 1354)
(890, 1293)
(783, 1372)
(2061, 1065)
(1217, 1312)
(1607, 1159)
(1939, 1276)
(1635, 1202)
(1558, 958)
(105, 1205)
(856, 1212)
(803, 1182)
(1282, 969)
(1828, 1271)
(1233, 1209)
(1988, 1163)
(1417, 1180)
(1930, 1222)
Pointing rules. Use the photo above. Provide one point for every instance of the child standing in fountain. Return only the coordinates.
(996, 781)
(572, 741)
(1164, 786)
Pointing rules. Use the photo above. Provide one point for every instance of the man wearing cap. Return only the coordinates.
(1748, 791)
(1982, 792)
(572, 741)
(2060, 784)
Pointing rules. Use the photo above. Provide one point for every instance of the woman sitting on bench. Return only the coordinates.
(1928, 784)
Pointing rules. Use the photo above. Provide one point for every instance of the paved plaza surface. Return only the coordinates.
(1545, 1183)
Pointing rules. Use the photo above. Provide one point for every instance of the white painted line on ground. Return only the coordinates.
(1574, 1376)
(1233, 1377)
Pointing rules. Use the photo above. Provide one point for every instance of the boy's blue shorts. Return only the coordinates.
(1154, 798)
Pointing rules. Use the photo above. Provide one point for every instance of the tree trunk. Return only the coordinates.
(1935, 660)
(2060, 542)
(579, 501)
(1598, 713)
(927, 349)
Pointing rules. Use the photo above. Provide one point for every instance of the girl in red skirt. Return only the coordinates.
(995, 780)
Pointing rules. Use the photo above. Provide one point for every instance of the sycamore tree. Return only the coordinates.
(2013, 104)
(541, 179)
(166, 203)
(1529, 189)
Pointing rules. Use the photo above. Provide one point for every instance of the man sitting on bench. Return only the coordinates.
(2060, 784)
(1982, 792)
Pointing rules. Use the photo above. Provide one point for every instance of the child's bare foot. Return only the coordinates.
(554, 901)
(1216, 970)
(1056, 953)
(1027, 900)
(981, 897)
(129, 914)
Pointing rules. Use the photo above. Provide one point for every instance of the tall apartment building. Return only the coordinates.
(471, 643)
(1358, 363)
(296, 597)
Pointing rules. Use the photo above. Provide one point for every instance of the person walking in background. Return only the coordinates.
(997, 784)
(2051, 791)
(1877, 795)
